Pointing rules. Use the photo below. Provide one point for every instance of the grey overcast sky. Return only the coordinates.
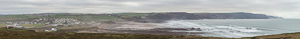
(283, 8)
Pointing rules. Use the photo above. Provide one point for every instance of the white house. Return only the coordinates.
(52, 29)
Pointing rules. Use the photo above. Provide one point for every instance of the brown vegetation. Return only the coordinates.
(14, 33)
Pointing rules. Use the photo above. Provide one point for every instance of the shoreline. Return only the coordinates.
(140, 28)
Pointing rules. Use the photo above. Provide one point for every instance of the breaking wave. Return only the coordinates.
(230, 31)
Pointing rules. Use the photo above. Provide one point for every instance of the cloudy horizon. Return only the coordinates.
(282, 8)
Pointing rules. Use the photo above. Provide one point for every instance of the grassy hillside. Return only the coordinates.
(133, 14)
(60, 15)
(281, 36)
(87, 17)
(2, 25)
(31, 25)
(16, 17)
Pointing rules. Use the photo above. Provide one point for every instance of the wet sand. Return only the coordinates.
(162, 31)
(139, 28)
(139, 25)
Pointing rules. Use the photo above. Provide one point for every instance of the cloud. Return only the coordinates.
(284, 8)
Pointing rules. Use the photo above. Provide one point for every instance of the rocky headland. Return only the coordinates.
(161, 17)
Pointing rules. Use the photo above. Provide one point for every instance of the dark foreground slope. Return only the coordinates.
(29, 34)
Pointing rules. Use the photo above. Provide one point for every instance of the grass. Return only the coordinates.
(295, 35)
(25, 25)
(133, 14)
(87, 17)
(83, 17)
(2, 25)
(15, 17)
(31, 25)
(12, 29)
(27, 34)
(75, 27)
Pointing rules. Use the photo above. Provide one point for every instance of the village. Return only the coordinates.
(48, 22)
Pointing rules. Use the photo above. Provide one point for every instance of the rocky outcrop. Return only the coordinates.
(239, 15)
(109, 22)
(275, 17)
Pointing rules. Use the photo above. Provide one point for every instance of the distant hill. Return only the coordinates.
(141, 17)
(239, 15)
(160, 17)
(59, 15)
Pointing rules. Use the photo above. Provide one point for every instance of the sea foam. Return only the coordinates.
(215, 30)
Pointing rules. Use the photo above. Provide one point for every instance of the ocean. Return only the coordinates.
(237, 28)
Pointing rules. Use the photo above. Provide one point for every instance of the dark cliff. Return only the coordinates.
(240, 15)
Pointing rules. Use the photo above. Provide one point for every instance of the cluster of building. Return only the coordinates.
(58, 21)
(65, 21)
(46, 22)
(49, 22)
(21, 22)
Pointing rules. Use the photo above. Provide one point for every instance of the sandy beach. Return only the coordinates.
(140, 28)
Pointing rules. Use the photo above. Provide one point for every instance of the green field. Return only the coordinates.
(133, 14)
(31, 25)
(25, 25)
(61, 15)
(87, 17)
(2, 25)
(18, 17)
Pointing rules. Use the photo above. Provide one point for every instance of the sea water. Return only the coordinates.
(237, 28)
